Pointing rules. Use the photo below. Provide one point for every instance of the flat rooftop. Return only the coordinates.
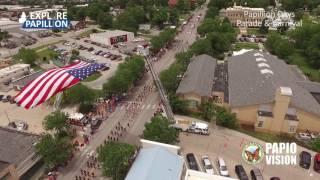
(111, 33)
(16, 146)
(13, 68)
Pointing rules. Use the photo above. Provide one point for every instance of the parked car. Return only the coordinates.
(5, 99)
(98, 52)
(316, 163)
(21, 126)
(107, 55)
(305, 160)
(275, 178)
(191, 159)
(223, 170)
(105, 68)
(256, 174)
(241, 173)
(90, 49)
(113, 57)
(304, 136)
(207, 165)
(1, 96)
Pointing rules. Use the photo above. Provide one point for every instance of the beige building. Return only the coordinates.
(17, 153)
(268, 95)
(243, 16)
(196, 85)
(13, 72)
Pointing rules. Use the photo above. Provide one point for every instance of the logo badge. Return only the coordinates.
(252, 153)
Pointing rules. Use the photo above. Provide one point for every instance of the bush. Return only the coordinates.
(225, 118)
(85, 108)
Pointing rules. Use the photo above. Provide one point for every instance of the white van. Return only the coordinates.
(198, 128)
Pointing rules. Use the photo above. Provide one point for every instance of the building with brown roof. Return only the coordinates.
(17, 153)
(267, 95)
(196, 85)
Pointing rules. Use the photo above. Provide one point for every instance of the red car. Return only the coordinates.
(316, 164)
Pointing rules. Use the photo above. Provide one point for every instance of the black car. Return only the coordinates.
(1, 96)
(192, 162)
(305, 159)
(256, 174)
(275, 178)
(242, 175)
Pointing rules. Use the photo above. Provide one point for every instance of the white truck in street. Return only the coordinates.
(191, 126)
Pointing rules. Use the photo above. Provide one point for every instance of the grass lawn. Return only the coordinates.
(92, 77)
(245, 45)
(46, 45)
(255, 31)
(87, 33)
(311, 72)
(47, 53)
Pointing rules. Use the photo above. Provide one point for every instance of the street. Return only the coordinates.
(145, 109)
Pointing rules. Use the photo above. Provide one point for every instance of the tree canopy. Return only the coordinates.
(225, 118)
(115, 159)
(78, 94)
(159, 130)
(126, 74)
(29, 56)
(57, 121)
(166, 36)
(54, 150)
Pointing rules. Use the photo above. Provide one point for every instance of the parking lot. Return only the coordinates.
(228, 144)
(32, 117)
(89, 52)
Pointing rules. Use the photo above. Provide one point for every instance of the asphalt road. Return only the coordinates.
(146, 110)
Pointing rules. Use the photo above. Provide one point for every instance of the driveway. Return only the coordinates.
(228, 144)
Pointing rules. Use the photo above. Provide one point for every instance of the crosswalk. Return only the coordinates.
(142, 107)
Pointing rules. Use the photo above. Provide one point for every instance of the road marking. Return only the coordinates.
(154, 106)
(148, 106)
(142, 107)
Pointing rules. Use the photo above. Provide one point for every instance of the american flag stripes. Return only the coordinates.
(54, 81)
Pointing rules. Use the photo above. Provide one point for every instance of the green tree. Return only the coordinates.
(29, 56)
(183, 5)
(57, 121)
(207, 110)
(315, 144)
(169, 78)
(173, 16)
(115, 159)
(78, 94)
(178, 106)
(54, 151)
(202, 46)
(212, 12)
(166, 36)
(159, 130)
(75, 52)
(160, 16)
(126, 74)
(85, 108)
(264, 28)
(105, 20)
(225, 118)
(127, 22)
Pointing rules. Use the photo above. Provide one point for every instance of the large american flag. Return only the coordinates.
(54, 81)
